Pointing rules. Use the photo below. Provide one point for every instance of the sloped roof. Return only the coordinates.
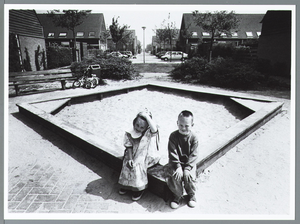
(248, 23)
(94, 22)
(25, 22)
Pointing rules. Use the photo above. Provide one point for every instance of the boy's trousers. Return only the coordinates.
(177, 187)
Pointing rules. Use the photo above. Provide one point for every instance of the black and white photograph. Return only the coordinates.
(149, 112)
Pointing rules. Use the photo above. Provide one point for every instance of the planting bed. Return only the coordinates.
(96, 122)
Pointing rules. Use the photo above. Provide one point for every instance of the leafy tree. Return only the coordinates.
(104, 35)
(167, 32)
(160, 36)
(117, 32)
(216, 24)
(69, 19)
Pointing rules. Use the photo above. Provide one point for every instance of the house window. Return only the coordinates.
(92, 34)
(249, 34)
(205, 34)
(65, 44)
(258, 33)
(50, 34)
(62, 35)
(194, 34)
(234, 34)
(223, 35)
(79, 34)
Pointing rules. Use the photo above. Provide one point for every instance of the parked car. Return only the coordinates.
(174, 55)
(117, 54)
(127, 53)
(159, 54)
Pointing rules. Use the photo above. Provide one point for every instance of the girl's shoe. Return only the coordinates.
(136, 195)
(122, 191)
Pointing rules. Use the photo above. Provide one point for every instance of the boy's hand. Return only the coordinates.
(178, 174)
(130, 164)
(187, 176)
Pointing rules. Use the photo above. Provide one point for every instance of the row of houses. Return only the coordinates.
(271, 32)
(32, 32)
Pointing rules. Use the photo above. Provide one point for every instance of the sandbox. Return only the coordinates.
(245, 115)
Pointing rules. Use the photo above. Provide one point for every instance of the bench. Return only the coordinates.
(26, 78)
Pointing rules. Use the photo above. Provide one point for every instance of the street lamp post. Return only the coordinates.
(144, 42)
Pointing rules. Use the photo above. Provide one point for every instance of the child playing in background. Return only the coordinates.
(183, 151)
(142, 145)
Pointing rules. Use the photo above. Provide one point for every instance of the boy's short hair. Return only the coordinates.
(186, 113)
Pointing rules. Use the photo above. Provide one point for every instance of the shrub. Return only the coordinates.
(220, 72)
(111, 67)
(58, 56)
(223, 50)
(191, 70)
(230, 74)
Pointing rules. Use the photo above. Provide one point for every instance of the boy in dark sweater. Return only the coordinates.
(183, 151)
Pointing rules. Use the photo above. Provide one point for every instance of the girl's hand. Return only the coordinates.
(130, 164)
(144, 114)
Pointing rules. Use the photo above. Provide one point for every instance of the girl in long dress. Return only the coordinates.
(142, 145)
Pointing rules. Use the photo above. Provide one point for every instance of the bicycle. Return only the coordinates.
(88, 80)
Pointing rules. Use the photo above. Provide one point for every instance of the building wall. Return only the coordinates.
(29, 47)
(280, 53)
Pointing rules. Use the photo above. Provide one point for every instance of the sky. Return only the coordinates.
(150, 16)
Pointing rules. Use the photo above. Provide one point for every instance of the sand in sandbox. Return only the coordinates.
(111, 116)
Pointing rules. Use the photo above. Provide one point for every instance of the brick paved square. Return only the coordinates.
(46, 198)
(26, 202)
(17, 188)
(52, 181)
(40, 190)
(71, 201)
(50, 206)
(22, 194)
(12, 204)
(79, 208)
(65, 194)
(33, 207)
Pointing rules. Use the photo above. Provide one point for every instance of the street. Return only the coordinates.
(149, 58)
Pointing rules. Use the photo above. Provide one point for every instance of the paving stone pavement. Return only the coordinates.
(47, 190)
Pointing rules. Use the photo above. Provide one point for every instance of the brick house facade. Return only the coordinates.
(26, 40)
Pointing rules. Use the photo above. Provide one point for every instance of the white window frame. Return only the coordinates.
(62, 34)
(92, 32)
(80, 32)
(234, 34)
(205, 34)
(194, 34)
(223, 35)
(50, 34)
(249, 34)
(258, 33)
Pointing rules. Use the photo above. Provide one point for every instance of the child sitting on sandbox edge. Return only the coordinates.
(141, 152)
(183, 152)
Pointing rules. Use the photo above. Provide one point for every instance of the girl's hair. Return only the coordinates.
(137, 116)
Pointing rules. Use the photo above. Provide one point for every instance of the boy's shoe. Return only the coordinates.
(136, 195)
(175, 202)
(122, 191)
(192, 201)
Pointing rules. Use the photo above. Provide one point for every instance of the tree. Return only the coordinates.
(117, 32)
(69, 19)
(167, 32)
(216, 24)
